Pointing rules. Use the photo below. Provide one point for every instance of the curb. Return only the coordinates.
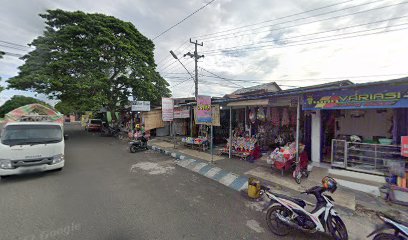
(207, 170)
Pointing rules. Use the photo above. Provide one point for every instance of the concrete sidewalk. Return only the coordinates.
(346, 198)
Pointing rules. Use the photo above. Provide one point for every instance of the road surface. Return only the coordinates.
(104, 192)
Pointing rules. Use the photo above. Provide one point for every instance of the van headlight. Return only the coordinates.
(5, 164)
(57, 158)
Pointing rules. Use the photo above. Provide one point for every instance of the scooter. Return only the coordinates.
(287, 213)
(400, 230)
(138, 145)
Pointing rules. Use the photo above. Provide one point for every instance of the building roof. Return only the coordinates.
(266, 86)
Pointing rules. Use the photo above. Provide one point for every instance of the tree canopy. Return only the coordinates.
(91, 60)
(18, 101)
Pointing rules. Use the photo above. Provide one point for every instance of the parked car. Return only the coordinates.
(94, 125)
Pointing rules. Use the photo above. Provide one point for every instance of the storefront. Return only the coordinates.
(262, 125)
(359, 127)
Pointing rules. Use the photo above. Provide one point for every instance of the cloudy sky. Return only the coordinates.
(245, 42)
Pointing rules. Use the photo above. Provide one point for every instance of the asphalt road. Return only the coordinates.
(104, 192)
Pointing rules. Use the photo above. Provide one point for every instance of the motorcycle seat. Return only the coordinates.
(298, 201)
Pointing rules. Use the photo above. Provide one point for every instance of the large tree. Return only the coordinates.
(18, 101)
(89, 61)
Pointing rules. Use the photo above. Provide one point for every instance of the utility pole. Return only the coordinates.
(196, 57)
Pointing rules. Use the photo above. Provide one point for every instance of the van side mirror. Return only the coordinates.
(66, 137)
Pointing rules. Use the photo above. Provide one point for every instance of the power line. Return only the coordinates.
(310, 79)
(12, 47)
(167, 56)
(250, 25)
(188, 16)
(12, 54)
(303, 35)
(220, 77)
(306, 40)
(15, 44)
(300, 44)
(225, 36)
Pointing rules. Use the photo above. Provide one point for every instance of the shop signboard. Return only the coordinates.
(204, 109)
(404, 146)
(215, 110)
(390, 96)
(167, 109)
(140, 106)
(182, 112)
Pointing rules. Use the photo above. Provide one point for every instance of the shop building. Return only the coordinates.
(358, 127)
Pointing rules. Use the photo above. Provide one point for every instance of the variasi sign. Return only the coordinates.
(140, 106)
(167, 109)
(404, 146)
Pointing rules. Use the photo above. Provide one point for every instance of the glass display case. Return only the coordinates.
(366, 157)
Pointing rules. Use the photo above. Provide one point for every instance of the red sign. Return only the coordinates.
(404, 146)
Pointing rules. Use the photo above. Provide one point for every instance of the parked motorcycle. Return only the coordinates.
(109, 131)
(139, 144)
(400, 230)
(287, 213)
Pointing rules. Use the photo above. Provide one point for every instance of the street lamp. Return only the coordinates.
(175, 57)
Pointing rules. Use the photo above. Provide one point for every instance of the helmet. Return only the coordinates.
(329, 184)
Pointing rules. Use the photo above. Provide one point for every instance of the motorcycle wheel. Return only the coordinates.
(337, 228)
(133, 149)
(275, 225)
(386, 236)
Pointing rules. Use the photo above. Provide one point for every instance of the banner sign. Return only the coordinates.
(215, 110)
(167, 109)
(404, 146)
(140, 106)
(182, 112)
(391, 96)
(204, 109)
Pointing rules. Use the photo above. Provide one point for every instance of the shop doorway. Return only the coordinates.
(328, 133)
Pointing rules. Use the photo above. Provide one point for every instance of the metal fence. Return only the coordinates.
(365, 157)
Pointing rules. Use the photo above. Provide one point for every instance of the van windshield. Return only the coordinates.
(31, 134)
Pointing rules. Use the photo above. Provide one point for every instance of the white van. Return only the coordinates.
(27, 147)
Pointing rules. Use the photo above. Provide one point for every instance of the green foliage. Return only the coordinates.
(91, 60)
(18, 101)
(65, 107)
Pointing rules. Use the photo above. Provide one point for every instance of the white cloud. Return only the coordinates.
(370, 55)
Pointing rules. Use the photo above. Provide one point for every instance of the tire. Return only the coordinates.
(133, 149)
(337, 228)
(298, 179)
(386, 236)
(305, 173)
(275, 225)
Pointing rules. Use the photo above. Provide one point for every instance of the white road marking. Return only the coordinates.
(211, 173)
(228, 179)
(199, 166)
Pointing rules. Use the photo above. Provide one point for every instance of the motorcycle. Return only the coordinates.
(109, 131)
(287, 213)
(400, 230)
(138, 145)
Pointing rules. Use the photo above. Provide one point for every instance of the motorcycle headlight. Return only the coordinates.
(57, 158)
(5, 164)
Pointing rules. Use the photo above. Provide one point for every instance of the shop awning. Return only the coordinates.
(260, 102)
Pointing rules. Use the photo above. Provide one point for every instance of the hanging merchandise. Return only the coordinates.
(285, 117)
(268, 114)
(252, 115)
(261, 114)
(275, 116)
(293, 117)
